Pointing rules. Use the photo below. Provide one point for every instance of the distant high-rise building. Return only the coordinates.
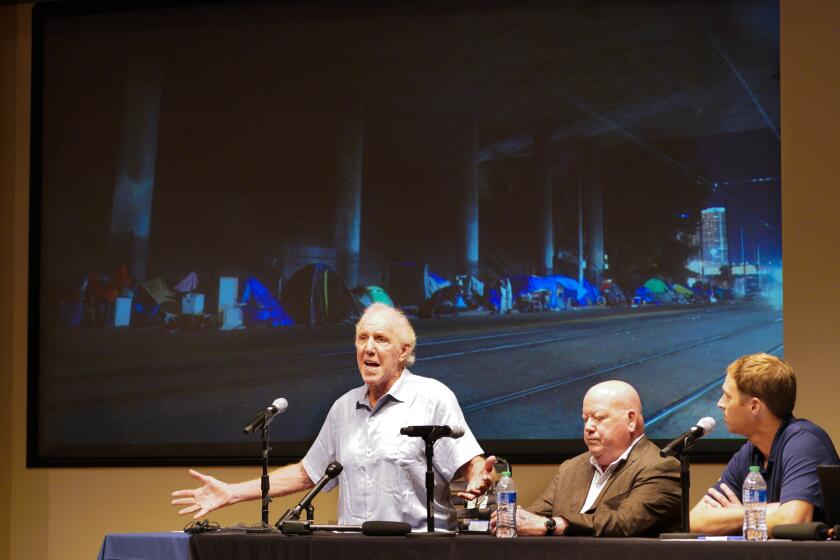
(713, 232)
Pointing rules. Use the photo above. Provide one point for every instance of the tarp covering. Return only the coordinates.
(159, 291)
(318, 294)
(561, 290)
(591, 291)
(475, 286)
(500, 296)
(432, 282)
(162, 295)
(522, 285)
(262, 307)
(579, 294)
(448, 300)
(188, 284)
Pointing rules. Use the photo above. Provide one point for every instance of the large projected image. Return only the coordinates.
(556, 196)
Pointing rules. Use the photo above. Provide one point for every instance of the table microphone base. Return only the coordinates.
(261, 529)
(426, 534)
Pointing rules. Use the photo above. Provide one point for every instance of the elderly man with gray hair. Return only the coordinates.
(384, 472)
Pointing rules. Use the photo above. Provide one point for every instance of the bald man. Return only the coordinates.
(621, 487)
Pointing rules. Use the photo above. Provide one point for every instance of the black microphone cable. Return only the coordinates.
(203, 526)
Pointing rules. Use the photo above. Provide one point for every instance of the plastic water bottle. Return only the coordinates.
(506, 507)
(754, 494)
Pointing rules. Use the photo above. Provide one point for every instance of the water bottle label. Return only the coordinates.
(506, 498)
(755, 495)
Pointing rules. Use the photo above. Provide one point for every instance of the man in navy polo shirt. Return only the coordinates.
(758, 397)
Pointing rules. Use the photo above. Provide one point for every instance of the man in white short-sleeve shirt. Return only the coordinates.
(384, 472)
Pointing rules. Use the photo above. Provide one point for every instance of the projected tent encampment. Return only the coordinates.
(318, 294)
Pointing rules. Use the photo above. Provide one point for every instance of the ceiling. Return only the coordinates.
(648, 72)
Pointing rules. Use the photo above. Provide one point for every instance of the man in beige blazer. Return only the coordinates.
(621, 487)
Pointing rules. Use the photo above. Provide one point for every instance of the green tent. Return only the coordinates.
(368, 295)
(657, 286)
(683, 291)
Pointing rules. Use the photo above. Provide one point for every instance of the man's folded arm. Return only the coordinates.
(793, 511)
(716, 520)
(720, 512)
(730, 520)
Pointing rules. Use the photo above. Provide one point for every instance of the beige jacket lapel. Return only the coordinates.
(605, 494)
(580, 487)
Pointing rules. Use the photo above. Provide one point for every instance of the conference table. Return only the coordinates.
(230, 545)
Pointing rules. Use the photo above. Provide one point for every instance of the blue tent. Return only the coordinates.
(646, 296)
(573, 290)
(592, 292)
(432, 282)
(521, 285)
(261, 306)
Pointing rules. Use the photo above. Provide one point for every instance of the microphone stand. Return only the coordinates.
(679, 449)
(265, 485)
(430, 492)
(430, 487)
(293, 514)
(685, 484)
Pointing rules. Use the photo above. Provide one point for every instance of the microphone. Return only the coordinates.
(432, 433)
(685, 441)
(265, 417)
(385, 528)
(815, 531)
(333, 470)
(370, 528)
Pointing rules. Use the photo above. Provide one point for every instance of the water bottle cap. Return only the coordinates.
(755, 468)
(506, 473)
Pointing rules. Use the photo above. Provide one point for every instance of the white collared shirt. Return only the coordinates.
(384, 476)
(601, 476)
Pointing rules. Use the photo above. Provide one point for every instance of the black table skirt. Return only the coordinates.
(231, 546)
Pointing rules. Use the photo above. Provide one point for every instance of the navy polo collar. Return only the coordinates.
(758, 457)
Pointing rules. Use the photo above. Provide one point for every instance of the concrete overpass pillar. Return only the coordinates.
(545, 208)
(467, 262)
(593, 197)
(348, 203)
(131, 211)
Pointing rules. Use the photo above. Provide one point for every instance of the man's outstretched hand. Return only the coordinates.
(212, 495)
